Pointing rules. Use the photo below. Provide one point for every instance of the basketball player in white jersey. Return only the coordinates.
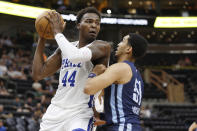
(71, 108)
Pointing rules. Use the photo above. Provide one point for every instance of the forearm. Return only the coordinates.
(38, 60)
(71, 52)
(95, 85)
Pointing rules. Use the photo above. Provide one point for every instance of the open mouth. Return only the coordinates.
(92, 32)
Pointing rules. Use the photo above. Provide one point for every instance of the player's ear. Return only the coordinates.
(129, 49)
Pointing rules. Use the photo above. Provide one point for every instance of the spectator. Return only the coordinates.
(46, 89)
(29, 104)
(187, 61)
(181, 62)
(18, 104)
(49, 86)
(3, 69)
(38, 89)
(46, 100)
(4, 114)
(2, 127)
(3, 90)
(16, 73)
(146, 112)
(8, 42)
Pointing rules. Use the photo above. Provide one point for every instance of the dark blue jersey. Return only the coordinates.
(122, 101)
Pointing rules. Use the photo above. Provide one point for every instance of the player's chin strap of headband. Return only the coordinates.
(71, 52)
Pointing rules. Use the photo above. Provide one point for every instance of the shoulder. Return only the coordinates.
(57, 51)
(121, 68)
(102, 43)
(122, 71)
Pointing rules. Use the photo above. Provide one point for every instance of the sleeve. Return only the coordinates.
(71, 52)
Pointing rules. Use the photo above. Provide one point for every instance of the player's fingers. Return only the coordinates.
(53, 12)
(50, 14)
(56, 16)
(53, 15)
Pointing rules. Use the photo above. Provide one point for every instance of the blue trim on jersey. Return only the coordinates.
(78, 129)
(120, 104)
(90, 103)
(112, 104)
(129, 127)
(116, 103)
(121, 127)
(90, 124)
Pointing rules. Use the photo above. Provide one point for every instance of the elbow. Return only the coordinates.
(35, 77)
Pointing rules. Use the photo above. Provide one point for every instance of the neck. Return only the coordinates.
(125, 58)
(83, 42)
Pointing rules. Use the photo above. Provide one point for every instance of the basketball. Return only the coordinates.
(43, 26)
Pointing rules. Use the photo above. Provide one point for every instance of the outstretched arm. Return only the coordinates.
(41, 68)
(117, 73)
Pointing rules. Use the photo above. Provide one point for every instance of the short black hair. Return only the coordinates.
(87, 10)
(139, 45)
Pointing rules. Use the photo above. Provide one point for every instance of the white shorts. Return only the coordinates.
(58, 119)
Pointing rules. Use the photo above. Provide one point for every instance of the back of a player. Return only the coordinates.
(122, 103)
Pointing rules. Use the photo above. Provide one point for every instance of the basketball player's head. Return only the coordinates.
(133, 45)
(88, 23)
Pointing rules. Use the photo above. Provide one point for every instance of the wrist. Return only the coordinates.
(57, 35)
(57, 32)
(41, 40)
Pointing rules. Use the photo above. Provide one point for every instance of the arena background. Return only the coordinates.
(169, 69)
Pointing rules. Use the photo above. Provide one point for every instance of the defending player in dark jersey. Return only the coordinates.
(123, 85)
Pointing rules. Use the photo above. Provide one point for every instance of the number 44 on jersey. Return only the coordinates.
(69, 79)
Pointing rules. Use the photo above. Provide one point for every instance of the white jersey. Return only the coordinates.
(72, 80)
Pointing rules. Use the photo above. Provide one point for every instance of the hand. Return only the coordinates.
(99, 122)
(56, 23)
(99, 69)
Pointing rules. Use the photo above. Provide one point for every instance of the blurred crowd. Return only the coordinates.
(16, 56)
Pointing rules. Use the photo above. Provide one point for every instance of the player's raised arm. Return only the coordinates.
(41, 68)
(98, 49)
(117, 73)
